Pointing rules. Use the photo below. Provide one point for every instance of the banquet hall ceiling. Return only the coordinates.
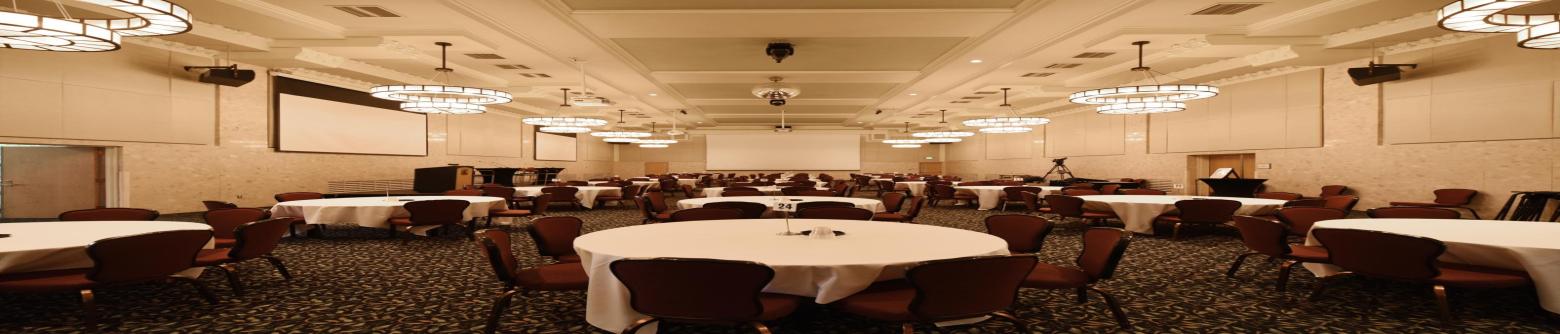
(862, 63)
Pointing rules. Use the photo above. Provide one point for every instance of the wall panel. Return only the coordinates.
(1474, 91)
(1283, 111)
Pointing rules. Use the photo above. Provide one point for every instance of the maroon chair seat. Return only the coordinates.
(1266, 237)
(442, 212)
(1103, 248)
(943, 290)
(495, 246)
(1080, 192)
(1300, 219)
(1200, 211)
(1407, 258)
(563, 195)
(298, 196)
(1016, 195)
(1072, 207)
(105, 214)
(141, 258)
(538, 209)
(908, 216)
(943, 192)
(254, 240)
(1413, 212)
(215, 205)
(893, 202)
(701, 291)
(823, 204)
(554, 237)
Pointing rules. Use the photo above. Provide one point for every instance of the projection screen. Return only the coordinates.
(307, 124)
(783, 152)
(556, 147)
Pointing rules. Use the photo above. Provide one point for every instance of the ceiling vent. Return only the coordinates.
(484, 56)
(985, 93)
(513, 67)
(972, 97)
(1094, 55)
(960, 102)
(1063, 65)
(366, 11)
(1231, 8)
(535, 75)
(1037, 75)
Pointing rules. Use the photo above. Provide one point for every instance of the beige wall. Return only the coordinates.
(1352, 153)
(173, 156)
(688, 157)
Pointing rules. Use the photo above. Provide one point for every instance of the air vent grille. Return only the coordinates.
(1228, 8)
(535, 75)
(1062, 65)
(366, 11)
(1094, 55)
(513, 67)
(972, 97)
(1037, 75)
(985, 93)
(960, 102)
(484, 56)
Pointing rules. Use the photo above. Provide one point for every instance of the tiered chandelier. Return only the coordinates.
(943, 136)
(1012, 123)
(651, 142)
(25, 31)
(620, 136)
(908, 142)
(1533, 31)
(1143, 99)
(564, 124)
(443, 98)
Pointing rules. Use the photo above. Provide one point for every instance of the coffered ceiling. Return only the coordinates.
(859, 63)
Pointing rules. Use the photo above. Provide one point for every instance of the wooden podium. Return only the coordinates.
(1227, 183)
(441, 179)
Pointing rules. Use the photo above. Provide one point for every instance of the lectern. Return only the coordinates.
(441, 179)
(1227, 183)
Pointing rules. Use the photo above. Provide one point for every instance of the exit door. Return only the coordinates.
(43, 181)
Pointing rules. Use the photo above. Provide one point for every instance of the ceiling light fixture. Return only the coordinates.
(564, 129)
(943, 134)
(650, 142)
(906, 146)
(1143, 99)
(620, 140)
(1010, 121)
(1006, 129)
(621, 134)
(585, 98)
(976, 61)
(1540, 31)
(25, 31)
(565, 123)
(777, 92)
(443, 98)
(907, 140)
(944, 140)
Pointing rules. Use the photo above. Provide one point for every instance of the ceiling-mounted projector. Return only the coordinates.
(224, 75)
(1378, 73)
(587, 100)
(783, 128)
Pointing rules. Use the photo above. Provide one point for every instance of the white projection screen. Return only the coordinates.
(783, 152)
(311, 117)
(556, 147)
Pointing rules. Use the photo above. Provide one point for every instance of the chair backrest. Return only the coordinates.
(967, 287)
(793, 190)
(706, 214)
(224, 221)
(1031, 201)
(1279, 195)
(1103, 248)
(657, 201)
(1109, 189)
(851, 213)
(1080, 192)
(816, 193)
(667, 184)
(495, 246)
(554, 236)
(645, 207)
(298, 196)
(1023, 233)
(463, 192)
(1333, 190)
(1207, 210)
(1413, 212)
(144, 257)
(101, 214)
(258, 238)
(1065, 205)
(540, 204)
(561, 194)
(689, 191)
(1381, 254)
(750, 210)
(694, 289)
(1142, 191)
(914, 210)
(1263, 236)
(1342, 202)
(1455, 196)
(437, 212)
(894, 201)
(741, 193)
(215, 205)
(823, 204)
(505, 193)
(1015, 194)
(941, 191)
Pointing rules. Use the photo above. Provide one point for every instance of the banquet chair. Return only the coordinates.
(1529, 206)
(442, 212)
(909, 214)
(569, 195)
(1300, 219)
(1271, 238)
(705, 214)
(1341, 202)
(823, 204)
(750, 210)
(863, 182)
(1143, 191)
(496, 248)
(741, 193)
(554, 237)
(142, 258)
(1407, 258)
(1333, 190)
(647, 208)
(817, 193)
(942, 192)
(224, 221)
(463, 192)
(851, 213)
(102, 214)
(297, 196)
(1103, 248)
(1072, 207)
(1306, 203)
(1199, 211)
(886, 186)
(1413, 212)
(1080, 192)
(1024, 234)
(668, 186)
(701, 291)
(793, 190)
(690, 192)
(1032, 203)
(1279, 195)
(945, 290)
(1015, 195)
(507, 193)
(1109, 189)
(893, 202)
(1449, 199)
(254, 240)
(215, 205)
(624, 192)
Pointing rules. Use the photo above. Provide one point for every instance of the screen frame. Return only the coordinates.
(284, 85)
(536, 144)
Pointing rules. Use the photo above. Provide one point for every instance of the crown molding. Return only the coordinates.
(1437, 41)
(167, 45)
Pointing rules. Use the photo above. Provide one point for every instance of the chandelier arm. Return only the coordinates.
(61, 7)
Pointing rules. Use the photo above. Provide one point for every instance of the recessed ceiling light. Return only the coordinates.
(654, 94)
(914, 94)
(976, 61)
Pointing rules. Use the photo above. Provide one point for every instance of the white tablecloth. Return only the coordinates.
(1138, 211)
(637, 183)
(63, 245)
(916, 188)
(771, 190)
(587, 194)
(864, 203)
(991, 195)
(826, 270)
(374, 211)
(1525, 246)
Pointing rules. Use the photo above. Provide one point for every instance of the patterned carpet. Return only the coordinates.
(356, 282)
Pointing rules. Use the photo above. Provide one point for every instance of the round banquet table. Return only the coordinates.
(864, 203)
(63, 245)
(991, 195)
(587, 194)
(1513, 245)
(824, 269)
(771, 190)
(375, 211)
(1138, 211)
(916, 188)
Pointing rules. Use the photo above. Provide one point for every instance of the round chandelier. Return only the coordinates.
(904, 141)
(620, 140)
(776, 90)
(559, 124)
(621, 134)
(1540, 31)
(906, 146)
(1013, 120)
(66, 34)
(943, 140)
(1143, 99)
(946, 133)
(441, 99)
(653, 146)
(657, 141)
(1006, 129)
(563, 129)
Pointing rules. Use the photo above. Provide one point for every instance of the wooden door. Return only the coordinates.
(41, 182)
(931, 168)
(657, 168)
(1202, 166)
